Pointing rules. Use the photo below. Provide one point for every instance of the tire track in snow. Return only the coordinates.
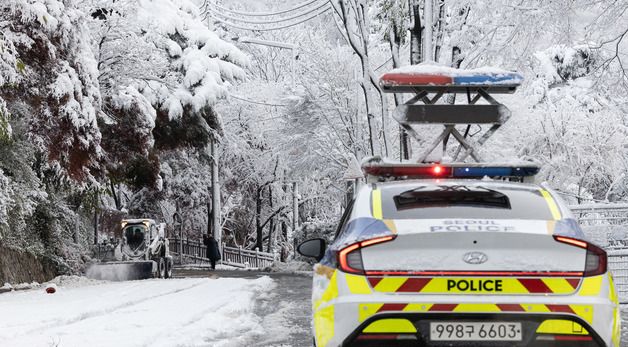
(155, 338)
(244, 324)
(102, 312)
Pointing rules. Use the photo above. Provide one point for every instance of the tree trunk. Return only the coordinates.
(295, 207)
(440, 29)
(96, 211)
(395, 43)
(271, 227)
(369, 117)
(114, 194)
(364, 25)
(357, 35)
(258, 219)
(416, 52)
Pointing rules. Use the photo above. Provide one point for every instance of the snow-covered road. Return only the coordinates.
(236, 309)
(176, 312)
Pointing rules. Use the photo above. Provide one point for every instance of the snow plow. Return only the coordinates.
(142, 252)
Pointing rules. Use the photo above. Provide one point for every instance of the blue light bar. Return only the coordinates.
(448, 170)
(495, 171)
(489, 79)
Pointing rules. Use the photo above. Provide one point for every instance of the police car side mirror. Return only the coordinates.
(314, 248)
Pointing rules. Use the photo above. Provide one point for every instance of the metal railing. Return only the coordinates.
(607, 226)
(193, 252)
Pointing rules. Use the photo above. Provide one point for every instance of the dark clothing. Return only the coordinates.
(213, 254)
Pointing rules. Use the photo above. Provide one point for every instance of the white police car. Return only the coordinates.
(460, 262)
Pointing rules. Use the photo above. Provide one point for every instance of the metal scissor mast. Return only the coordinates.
(428, 88)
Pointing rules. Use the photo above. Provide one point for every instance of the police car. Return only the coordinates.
(460, 262)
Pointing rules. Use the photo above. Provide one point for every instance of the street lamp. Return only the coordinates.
(276, 44)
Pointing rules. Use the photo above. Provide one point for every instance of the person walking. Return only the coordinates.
(213, 254)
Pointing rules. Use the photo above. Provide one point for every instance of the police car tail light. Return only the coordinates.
(596, 262)
(350, 257)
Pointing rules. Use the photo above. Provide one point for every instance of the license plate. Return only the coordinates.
(475, 331)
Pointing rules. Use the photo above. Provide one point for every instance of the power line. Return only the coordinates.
(262, 14)
(238, 26)
(578, 196)
(274, 21)
(256, 102)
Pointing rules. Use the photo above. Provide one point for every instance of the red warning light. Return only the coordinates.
(437, 169)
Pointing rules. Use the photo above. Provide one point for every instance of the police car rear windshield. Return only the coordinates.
(461, 201)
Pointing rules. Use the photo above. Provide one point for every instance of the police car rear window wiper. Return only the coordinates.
(451, 196)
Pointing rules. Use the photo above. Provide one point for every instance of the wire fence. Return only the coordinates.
(607, 226)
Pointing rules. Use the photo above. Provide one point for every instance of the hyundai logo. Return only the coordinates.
(475, 258)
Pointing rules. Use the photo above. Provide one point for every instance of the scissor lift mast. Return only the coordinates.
(429, 83)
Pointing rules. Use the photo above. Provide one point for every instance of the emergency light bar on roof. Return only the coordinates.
(450, 170)
(429, 82)
(430, 77)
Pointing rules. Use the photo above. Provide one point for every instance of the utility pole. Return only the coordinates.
(429, 27)
(216, 225)
(295, 210)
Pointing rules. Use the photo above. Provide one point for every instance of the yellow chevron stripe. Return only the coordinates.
(558, 285)
(418, 307)
(390, 284)
(367, 310)
(616, 328)
(477, 308)
(560, 326)
(535, 308)
(324, 325)
(376, 203)
(390, 325)
(591, 286)
(551, 204)
(584, 311)
(357, 284)
(612, 293)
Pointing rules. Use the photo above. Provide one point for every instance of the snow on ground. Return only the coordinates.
(294, 267)
(207, 267)
(177, 312)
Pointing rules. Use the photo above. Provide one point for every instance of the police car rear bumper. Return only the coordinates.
(421, 322)
(352, 313)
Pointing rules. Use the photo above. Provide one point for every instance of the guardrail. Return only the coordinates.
(193, 252)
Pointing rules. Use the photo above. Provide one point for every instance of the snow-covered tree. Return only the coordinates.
(161, 71)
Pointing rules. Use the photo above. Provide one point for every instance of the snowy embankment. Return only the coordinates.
(177, 312)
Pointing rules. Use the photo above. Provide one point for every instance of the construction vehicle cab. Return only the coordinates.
(142, 252)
